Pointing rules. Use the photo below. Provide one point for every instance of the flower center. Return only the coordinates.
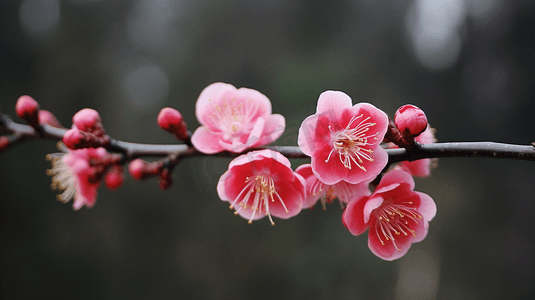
(351, 141)
(63, 177)
(231, 118)
(258, 193)
(394, 219)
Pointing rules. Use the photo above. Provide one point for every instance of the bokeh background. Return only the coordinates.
(469, 64)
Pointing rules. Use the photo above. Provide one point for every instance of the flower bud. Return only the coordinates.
(410, 120)
(74, 139)
(28, 110)
(4, 143)
(114, 178)
(171, 120)
(137, 169)
(46, 117)
(87, 119)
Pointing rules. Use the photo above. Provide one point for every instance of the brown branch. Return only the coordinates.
(135, 150)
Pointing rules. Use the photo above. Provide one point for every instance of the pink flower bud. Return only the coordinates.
(137, 169)
(410, 120)
(114, 178)
(87, 119)
(46, 117)
(73, 138)
(28, 110)
(171, 120)
(4, 143)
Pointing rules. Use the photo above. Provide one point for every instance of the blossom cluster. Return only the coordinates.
(346, 144)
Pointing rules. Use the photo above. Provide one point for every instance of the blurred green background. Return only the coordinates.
(469, 64)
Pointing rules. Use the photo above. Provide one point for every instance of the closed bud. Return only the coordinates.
(46, 117)
(74, 139)
(114, 178)
(28, 110)
(136, 168)
(410, 120)
(4, 143)
(87, 119)
(171, 120)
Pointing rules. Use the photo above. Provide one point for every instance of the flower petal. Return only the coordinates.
(396, 177)
(428, 208)
(353, 216)
(273, 129)
(206, 141)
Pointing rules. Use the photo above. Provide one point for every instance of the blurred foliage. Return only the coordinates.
(128, 59)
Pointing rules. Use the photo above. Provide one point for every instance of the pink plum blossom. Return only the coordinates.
(396, 215)
(75, 174)
(343, 139)
(317, 190)
(421, 167)
(234, 120)
(261, 183)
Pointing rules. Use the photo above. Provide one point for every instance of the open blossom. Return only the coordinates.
(234, 120)
(396, 215)
(73, 173)
(261, 183)
(421, 167)
(317, 190)
(343, 139)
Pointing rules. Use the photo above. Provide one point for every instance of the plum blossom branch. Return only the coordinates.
(463, 149)
(135, 150)
(351, 148)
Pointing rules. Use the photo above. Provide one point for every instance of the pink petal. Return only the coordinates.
(376, 115)
(256, 133)
(206, 141)
(332, 103)
(387, 188)
(357, 190)
(421, 231)
(388, 251)
(428, 208)
(292, 191)
(273, 129)
(329, 172)
(380, 159)
(306, 136)
(370, 205)
(353, 216)
(221, 192)
(207, 98)
(255, 156)
(396, 177)
(419, 168)
(311, 180)
(260, 104)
